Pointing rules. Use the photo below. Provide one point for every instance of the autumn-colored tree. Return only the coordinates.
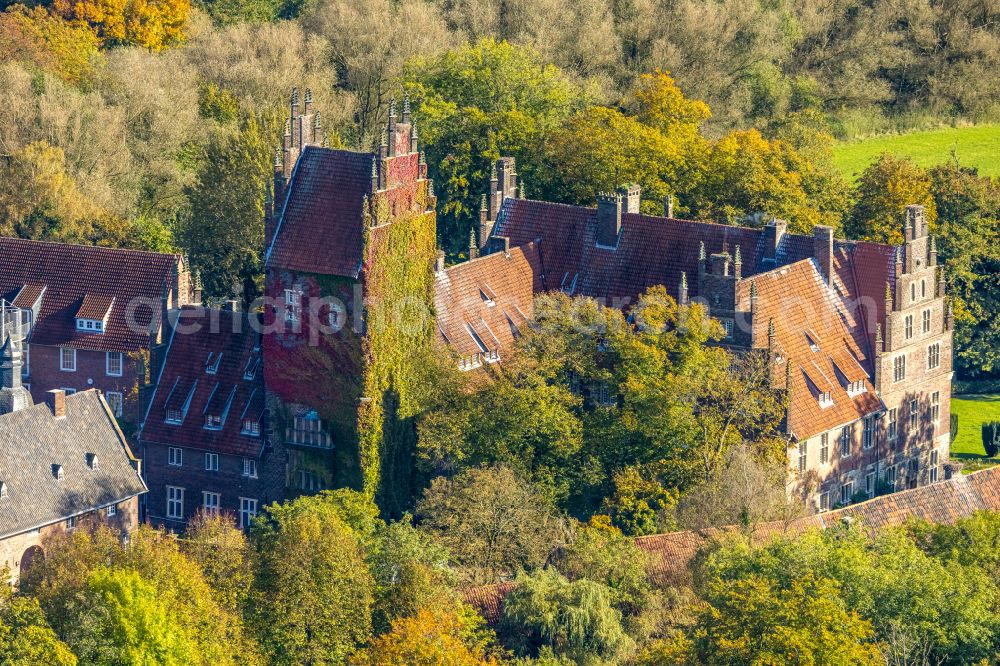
(50, 43)
(312, 603)
(223, 553)
(657, 101)
(881, 196)
(154, 24)
(427, 638)
(26, 639)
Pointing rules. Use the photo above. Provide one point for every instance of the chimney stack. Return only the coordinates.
(56, 400)
(668, 206)
(609, 218)
(719, 264)
(773, 232)
(633, 196)
(823, 251)
(439, 262)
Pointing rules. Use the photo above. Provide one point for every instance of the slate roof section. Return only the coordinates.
(651, 250)
(320, 230)
(32, 440)
(816, 328)
(670, 555)
(234, 392)
(487, 300)
(73, 274)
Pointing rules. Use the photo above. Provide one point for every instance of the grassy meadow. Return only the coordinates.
(976, 146)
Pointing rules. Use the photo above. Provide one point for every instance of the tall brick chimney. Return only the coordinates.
(503, 185)
(773, 232)
(633, 196)
(823, 251)
(609, 218)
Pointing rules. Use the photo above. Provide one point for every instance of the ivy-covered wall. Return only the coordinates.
(398, 281)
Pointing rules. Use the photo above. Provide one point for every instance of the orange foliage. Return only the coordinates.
(428, 638)
(36, 36)
(154, 24)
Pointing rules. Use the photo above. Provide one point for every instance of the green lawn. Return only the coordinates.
(972, 411)
(977, 146)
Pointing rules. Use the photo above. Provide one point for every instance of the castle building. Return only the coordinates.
(350, 246)
(63, 462)
(87, 316)
(205, 438)
(859, 334)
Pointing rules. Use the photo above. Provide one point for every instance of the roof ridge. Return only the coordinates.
(100, 248)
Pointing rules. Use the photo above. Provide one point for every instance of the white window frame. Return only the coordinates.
(803, 457)
(109, 357)
(914, 420)
(892, 431)
(925, 321)
(899, 368)
(934, 467)
(249, 468)
(908, 326)
(867, 432)
(211, 462)
(846, 441)
(935, 406)
(63, 365)
(847, 492)
(211, 502)
(248, 511)
(175, 502)
(175, 456)
(824, 448)
(116, 401)
(293, 305)
(824, 501)
(870, 486)
(111, 510)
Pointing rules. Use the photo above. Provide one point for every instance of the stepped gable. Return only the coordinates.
(321, 229)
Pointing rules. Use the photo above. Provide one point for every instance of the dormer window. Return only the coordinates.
(92, 461)
(57, 471)
(251, 370)
(251, 427)
(486, 299)
(213, 422)
(90, 325)
(825, 399)
(174, 416)
(855, 388)
(212, 363)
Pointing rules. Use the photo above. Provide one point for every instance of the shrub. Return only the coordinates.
(991, 438)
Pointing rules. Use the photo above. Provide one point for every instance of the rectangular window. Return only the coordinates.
(727, 325)
(908, 326)
(211, 462)
(846, 492)
(250, 468)
(114, 400)
(210, 503)
(293, 304)
(846, 435)
(175, 416)
(935, 406)
(868, 432)
(175, 502)
(175, 456)
(893, 429)
(934, 466)
(934, 356)
(26, 362)
(248, 510)
(925, 321)
(111, 510)
(890, 477)
(824, 448)
(213, 422)
(67, 359)
(899, 368)
(67, 390)
(113, 364)
(913, 416)
(870, 484)
(824, 501)
(803, 457)
(251, 427)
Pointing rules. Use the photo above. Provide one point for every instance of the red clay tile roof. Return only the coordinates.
(488, 298)
(651, 250)
(186, 385)
(71, 273)
(816, 328)
(320, 230)
(95, 307)
(488, 600)
(670, 555)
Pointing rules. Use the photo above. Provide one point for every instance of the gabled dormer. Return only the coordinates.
(217, 407)
(93, 313)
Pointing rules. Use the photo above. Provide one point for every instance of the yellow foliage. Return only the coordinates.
(50, 43)
(154, 24)
(427, 639)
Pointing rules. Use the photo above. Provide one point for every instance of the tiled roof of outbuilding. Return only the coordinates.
(75, 278)
(33, 441)
(321, 224)
(187, 385)
(489, 298)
